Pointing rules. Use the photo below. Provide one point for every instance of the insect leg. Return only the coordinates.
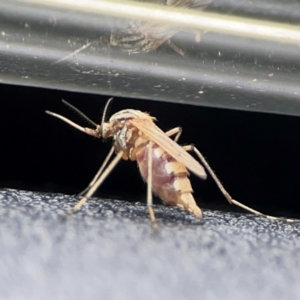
(74, 52)
(98, 182)
(175, 48)
(177, 131)
(99, 172)
(149, 183)
(225, 193)
(211, 172)
(197, 37)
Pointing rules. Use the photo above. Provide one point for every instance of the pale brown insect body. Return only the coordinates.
(169, 177)
(162, 162)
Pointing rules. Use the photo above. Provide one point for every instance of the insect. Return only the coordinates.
(162, 162)
(138, 36)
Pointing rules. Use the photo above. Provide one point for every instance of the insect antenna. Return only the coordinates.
(105, 110)
(79, 112)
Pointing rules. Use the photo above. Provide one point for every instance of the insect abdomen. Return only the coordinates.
(169, 179)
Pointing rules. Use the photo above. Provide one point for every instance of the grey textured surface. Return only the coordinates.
(109, 251)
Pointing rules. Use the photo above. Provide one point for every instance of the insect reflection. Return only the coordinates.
(135, 36)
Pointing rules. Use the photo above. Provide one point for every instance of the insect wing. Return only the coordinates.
(171, 147)
(158, 33)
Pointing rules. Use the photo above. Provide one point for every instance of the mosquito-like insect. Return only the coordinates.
(162, 162)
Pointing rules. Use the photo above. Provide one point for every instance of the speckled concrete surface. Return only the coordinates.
(109, 250)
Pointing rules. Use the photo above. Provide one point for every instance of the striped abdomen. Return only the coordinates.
(169, 178)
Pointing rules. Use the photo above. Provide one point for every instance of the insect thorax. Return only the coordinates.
(128, 114)
(127, 137)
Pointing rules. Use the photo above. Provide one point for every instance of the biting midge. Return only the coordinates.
(163, 163)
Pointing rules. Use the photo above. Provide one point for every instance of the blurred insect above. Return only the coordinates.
(135, 36)
(162, 162)
(138, 36)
